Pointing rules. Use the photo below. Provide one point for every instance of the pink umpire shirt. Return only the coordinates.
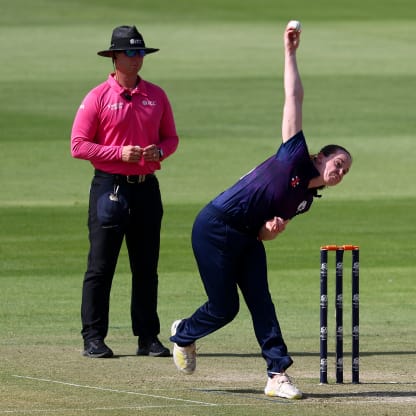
(111, 117)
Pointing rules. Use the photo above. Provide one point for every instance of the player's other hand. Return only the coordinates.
(272, 228)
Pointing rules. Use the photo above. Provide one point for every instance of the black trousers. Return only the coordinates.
(142, 236)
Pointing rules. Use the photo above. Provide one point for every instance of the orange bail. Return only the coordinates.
(330, 247)
(334, 247)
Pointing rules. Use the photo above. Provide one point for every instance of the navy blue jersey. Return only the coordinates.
(276, 188)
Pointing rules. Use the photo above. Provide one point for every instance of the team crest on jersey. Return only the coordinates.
(294, 182)
(302, 206)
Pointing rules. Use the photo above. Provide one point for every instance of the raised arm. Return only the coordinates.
(292, 110)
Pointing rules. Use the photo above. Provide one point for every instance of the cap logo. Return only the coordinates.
(135, 41)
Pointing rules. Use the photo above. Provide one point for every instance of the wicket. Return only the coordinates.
(339, 353)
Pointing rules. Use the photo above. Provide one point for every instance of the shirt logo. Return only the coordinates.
(301, 206)
(150, 103)
(116, 106)
(294, 182)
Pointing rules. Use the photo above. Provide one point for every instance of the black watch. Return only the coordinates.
(160, 153)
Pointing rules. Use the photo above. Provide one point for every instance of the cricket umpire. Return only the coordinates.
(125, 128)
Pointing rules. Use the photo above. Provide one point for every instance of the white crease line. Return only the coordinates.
(114, 390)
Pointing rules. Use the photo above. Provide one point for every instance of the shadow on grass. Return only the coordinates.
(294, 354)
(362, 354)
(258, 394)
(307, 354)
(363, 394)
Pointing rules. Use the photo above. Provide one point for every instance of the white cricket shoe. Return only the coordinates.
(183, 357)
(281, 386)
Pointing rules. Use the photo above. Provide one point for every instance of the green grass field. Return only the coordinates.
(221, 65)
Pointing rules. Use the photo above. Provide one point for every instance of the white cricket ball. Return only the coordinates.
(295, 24)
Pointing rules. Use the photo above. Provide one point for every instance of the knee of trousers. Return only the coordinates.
(226, 313)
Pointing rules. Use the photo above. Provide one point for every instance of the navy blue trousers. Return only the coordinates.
(142, 236)
(228, 259)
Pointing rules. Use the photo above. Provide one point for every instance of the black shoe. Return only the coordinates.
(153, 347)
(97, 349)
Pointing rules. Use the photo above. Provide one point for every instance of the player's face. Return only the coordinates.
(129, 65)
(335, 167)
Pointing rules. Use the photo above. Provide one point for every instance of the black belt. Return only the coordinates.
(132, 179)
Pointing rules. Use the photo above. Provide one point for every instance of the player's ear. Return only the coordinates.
(319, 157)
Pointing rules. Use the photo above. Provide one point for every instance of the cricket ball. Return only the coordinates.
(295, 24)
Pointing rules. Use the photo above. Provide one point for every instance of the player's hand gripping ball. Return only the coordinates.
(295, 24)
